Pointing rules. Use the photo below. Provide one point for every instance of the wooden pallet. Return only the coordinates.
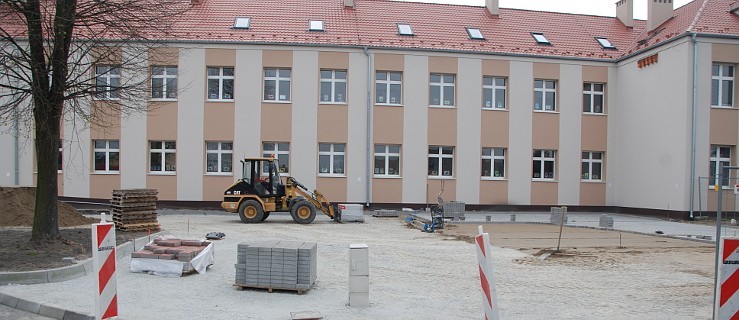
(242, 287)
(137, 226)
(134, 191)
(134, 206)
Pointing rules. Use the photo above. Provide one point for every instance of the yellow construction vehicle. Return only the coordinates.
(261, 191)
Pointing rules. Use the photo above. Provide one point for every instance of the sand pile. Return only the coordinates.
(17, 205)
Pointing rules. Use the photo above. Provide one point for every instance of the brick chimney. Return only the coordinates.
(349, 3)
(658, 11)
(625, 12)
(493, 7)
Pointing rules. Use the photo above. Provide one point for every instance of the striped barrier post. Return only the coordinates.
(103, 259)
(727, 299)
(485, 265)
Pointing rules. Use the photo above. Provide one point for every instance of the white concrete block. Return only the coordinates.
(358, 260)
(358, 284)
(359, 300)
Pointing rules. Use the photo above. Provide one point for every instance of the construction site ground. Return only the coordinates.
(422, 275)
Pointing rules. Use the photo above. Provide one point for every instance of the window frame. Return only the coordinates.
(493, 94)
(475, 33)
(108, 151)
(443, 85)
(715, 160)
(111, 92)
(386, 155)
(720, 78)
(277, 79)
(540, 38)
(544, 90)
(332, 154)
(165, 77)
(275, 153)
(491, 168)
(388, 83)
(440, 156)
(592, 93)
(402, 29)
(333, 81)
(589, 161)
(163, 151)
(221, 80)
(543, 159)
(220, 152)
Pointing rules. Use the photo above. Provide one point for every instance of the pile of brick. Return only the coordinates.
(135, 209)
(171, 249)
(276, 264)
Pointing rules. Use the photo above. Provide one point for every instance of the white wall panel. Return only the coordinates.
(304, 147)
(356, 182)
(469, 111)
(415, 124)
(190, 113)
(520, 115)
(570, 123)
(248, 113)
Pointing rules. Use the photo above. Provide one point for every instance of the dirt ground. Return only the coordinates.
(16, 218)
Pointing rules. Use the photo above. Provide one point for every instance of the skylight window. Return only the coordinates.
(475, 34)
(405, 29)
(605, 43)
(315, 25)
(540, 38)
(242, 23)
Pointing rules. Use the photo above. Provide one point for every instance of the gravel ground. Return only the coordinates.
(412, 275)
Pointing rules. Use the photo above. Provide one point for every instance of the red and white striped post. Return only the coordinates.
(727, 299)
(103, 262)
(485, 265)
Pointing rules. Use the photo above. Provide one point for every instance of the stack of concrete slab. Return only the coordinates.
(385, 213)
(557, 214)
(277, 264)
(606, 221)
(352, 212)
(454, 210)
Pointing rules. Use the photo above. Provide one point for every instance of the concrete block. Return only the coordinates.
(306, 315)
(359, 300)
(358, 284)
(51, 312)
(30, 306)
(8, 300)
(66, 273)
(358, 260)
(71, 315)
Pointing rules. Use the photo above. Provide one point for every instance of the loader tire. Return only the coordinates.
(266, 215)
(303, 212)
(251, 211)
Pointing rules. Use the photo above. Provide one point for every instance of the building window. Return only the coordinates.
(331, 158)
(441, 161)
(219, 156)
(220, 83)
(162, 156)
(387, 160)
(493, 93)
(493, 162)
(722, 85)
(592, 98)
(441, 91)
(107, 156)
(543, 168)
(720, 155)
(164, 82)
(277, 84)
(107, 82)
(545, 97)
(279, 151)
(592, 166)
(333, 86)
(388, 87)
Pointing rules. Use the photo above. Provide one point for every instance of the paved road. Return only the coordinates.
(15, 314)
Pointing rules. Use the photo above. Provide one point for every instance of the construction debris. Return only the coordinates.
(135, 209)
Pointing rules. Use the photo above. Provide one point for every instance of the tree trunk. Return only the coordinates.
(45, 218)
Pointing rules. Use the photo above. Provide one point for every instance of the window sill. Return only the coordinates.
(155, 173)
(546, 111)
(594, 114)
(495, 109)
(324, 175)
(494, 179)
(440, 178)
(593, 181)
(387, 177)
(106, 173)
(713, 188)
(332, 103)
(724, 107)
(543, 180)
(219, 100)
(276, 101)
(388, 105)
(163, 100)
(442, 107)
(219, 174)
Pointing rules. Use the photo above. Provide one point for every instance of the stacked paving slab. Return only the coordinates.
(352, 212)
(171, 249)
(277, 264)
(135, 209)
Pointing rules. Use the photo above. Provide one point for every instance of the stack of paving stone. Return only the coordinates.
(172, 249)
(385, 213)
(606, 222)
(557, 214)
(135, 209)
(276, 264)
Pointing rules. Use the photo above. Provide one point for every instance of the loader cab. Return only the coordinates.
(262, 177)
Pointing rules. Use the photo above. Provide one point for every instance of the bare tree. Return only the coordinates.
(84, 60)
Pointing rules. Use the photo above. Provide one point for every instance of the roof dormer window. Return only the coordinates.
(242, 23)
(540, 38)
(475, 34)
(315, 25)
(405, 29)
(605, 43)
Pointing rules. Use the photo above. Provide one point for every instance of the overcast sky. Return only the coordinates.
(593, 7)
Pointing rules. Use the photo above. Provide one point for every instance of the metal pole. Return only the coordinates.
(368, 172)
(719, 184)
(693, 126)
(563, 211)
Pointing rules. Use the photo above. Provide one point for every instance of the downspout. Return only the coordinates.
(368, 173)
(16, 145)
(693, 125)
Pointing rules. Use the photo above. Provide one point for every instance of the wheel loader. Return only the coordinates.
(261, 191)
